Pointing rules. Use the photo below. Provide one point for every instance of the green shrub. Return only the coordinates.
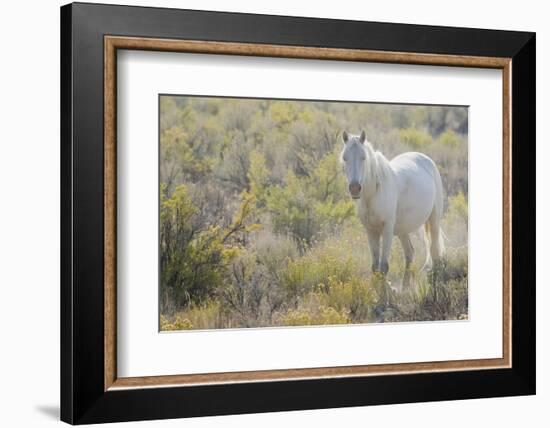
(455, 222)
(314, 269)
(206, 315)
(449, 138)
(304, 207)
(458, 208)
(354, 297)
(415, 138)
(194, 255)
(322, 316)
(177, 323)
(291, 210)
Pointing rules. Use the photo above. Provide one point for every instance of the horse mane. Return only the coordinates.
(378, 166)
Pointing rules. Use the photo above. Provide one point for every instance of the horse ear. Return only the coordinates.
(363, 137)
(345, 137)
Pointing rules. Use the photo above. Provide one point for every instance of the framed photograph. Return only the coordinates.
(265, 213)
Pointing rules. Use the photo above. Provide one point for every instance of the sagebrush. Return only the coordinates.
(257, 228)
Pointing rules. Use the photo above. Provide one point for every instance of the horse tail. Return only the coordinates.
(432, 228)
(439, 205)
(426, 235)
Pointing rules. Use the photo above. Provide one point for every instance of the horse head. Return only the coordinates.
(354, 157)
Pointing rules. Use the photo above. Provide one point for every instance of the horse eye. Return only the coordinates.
(345, 159)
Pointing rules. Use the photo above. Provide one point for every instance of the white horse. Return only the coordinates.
(394, 198)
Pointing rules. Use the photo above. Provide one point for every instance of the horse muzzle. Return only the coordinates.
(355, 190)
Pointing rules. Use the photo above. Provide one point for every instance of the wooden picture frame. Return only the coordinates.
(91, 391)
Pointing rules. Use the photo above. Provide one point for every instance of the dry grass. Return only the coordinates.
(331, 284)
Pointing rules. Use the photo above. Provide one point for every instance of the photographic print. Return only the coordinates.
(279, 213)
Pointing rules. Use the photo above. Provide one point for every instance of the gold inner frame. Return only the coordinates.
(113, 43)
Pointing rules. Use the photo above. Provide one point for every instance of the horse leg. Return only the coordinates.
(408, 250)
(387, 237)
(374, 244)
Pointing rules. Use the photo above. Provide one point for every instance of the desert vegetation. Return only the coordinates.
(257, 227)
